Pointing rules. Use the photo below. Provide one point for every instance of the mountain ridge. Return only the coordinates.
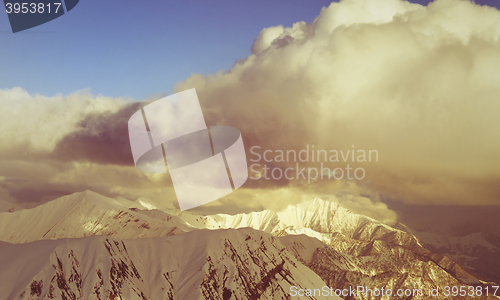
(365, 246)
(203, 264)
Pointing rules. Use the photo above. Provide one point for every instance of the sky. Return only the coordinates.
(140, 49)
(417, 84)
(136, 49)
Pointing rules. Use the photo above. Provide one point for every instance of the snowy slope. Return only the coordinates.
(83, 214)
(366, 247)
(220, 264)
(347, 233)
(88, 213)
(311, 218)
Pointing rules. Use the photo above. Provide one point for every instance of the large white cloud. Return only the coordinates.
(418, 84)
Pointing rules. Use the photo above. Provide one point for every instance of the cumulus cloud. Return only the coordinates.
(418, 84)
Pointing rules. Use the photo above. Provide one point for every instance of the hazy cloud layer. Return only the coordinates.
(34, 124)
(54, 146)
(99, 137)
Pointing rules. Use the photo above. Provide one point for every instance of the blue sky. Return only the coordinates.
(136, 48)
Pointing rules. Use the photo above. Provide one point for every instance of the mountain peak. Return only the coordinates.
(239, 264)
(81, 214)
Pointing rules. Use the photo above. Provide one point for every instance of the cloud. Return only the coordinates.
(99, 137)
(265, 38)
(418, 84)
(54, 146)
(368, 207)
(31, 183)
(35, 124)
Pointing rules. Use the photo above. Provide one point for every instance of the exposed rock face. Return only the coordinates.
(479, 252)
(347, 233)
(373, 265)
(219, 264)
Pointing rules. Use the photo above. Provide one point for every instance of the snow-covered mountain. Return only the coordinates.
(88, 213)
(374, 265)
(84, 214)
(371, 252)
(317, 218)
(346, 232)
(317, 215)
(479, 252)
(343, 248)
(218, 264)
